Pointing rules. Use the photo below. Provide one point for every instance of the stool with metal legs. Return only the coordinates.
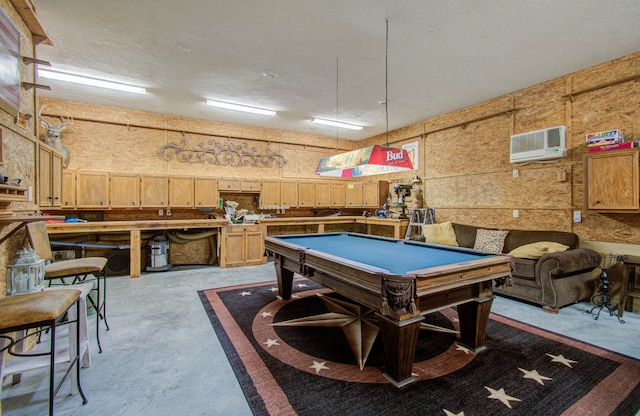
(42, 311)
(72, 271)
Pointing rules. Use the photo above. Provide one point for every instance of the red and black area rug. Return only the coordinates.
(305, 364)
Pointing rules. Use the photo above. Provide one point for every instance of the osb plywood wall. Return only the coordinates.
(117, 140)
(464, 155)
(463, 160)
(18, 145)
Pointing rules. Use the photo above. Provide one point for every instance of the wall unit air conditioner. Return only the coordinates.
(539, 145)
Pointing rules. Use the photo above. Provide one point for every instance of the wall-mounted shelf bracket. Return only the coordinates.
(29, 60)
(29, 85)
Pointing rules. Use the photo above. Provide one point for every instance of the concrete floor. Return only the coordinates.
(161, 356)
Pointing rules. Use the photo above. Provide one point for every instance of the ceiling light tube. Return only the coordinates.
(336, 124)
(94, 82)
(239, 107)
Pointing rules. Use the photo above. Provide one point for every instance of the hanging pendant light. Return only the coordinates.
(370, 160)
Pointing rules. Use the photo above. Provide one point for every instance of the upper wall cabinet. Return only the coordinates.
(181, 192)
(206, 193)
(49, 177)
(154, 191)
(124, 190)
(92, 190)
(238, 185)
(613, 181)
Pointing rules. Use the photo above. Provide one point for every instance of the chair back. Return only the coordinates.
(39, 239)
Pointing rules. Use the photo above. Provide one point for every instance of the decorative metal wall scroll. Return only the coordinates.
(221, 154)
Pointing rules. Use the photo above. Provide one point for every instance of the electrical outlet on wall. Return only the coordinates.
(160, 212)
(577, 216)
(516, 213)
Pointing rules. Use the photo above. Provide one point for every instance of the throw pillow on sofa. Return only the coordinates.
(491, 241)
(441, 233)
(536, 250)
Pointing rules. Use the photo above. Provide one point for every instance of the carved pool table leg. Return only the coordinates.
(399, 339)
(474, 317)
(285, 279)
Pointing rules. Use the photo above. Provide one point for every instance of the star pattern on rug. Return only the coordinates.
(301, 285)
(502, 396)
(449, 413)
(245, 293)
(358, 324)
(319, 366)
(534, 375)
(265, 314)
(271, 342)
(462, 348)
(561, 359)
(273, 289)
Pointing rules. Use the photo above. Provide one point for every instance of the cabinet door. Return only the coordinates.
(154, 191)
(371, 194)
(181, 192)
(124, 190)
(206, 193)
(254, 250)
(56, 179)
(92, 190)
(288, 194)
(45, 193)
(270, 195)
(354, 194)
(613, 181)
(322, 194)
(306, 194)
(68, 189)
(234, 254)
(227, 185)
(250, 186)
(338, 196)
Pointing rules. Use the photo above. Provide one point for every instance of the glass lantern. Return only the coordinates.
(25, 273)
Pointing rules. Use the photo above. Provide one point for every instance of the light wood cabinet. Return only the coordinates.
(322, 194)
(92, 190)
(227, 185)
(154, 191)
(270, 195)
(613, 181)
(250, 186)
(374, 194)
(181, 192)
(206, 193)
(338, 195)
(49, 178)
(68, 189)
(353, 194)
(242, 245)
(238, 185)
(288, 194)
(306, 194)
(124, 190)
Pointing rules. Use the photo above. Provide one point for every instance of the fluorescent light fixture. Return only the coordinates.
(239, 107)
(336, 124)
(94, 82)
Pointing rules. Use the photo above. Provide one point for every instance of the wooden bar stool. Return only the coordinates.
(72, 271)
(628, 289)
(42, 311)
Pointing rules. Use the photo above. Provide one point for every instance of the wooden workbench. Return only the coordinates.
(136, 227)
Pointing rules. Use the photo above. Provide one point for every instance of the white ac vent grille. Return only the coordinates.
(538, 145)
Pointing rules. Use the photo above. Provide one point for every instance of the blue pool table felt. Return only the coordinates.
(391, 255)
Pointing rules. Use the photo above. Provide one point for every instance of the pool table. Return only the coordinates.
(401, 280)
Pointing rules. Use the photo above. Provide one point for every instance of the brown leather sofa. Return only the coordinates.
(552, 281)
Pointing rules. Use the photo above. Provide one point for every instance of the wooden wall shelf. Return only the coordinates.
(12, 193)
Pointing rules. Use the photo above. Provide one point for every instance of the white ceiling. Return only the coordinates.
(328, 55)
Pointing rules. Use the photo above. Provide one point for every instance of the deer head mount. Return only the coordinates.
(52, 136)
